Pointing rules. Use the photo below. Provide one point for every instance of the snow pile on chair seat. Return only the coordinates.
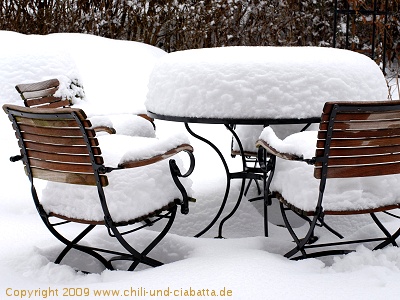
(296, 182)
(131, 193)
(260, 82)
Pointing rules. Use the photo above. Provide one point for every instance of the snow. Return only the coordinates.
(247, 263)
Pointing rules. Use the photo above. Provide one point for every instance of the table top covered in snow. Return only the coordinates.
(253, 83)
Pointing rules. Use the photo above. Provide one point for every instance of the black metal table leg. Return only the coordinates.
(235, 175)
(228, 184)
(246, 173)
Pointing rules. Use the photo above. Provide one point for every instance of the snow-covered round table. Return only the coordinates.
(260, 82)
(257, 86)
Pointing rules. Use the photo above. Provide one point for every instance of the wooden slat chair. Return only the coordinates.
(41, 95)
(59, 145)
(355, 140)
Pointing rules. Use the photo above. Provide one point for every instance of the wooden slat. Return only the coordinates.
(343, 116)
(53, 123)
(56, 131)
(361, 160)
(70, 141)
(57, 104)
(40, 93)
(389, 141)
(60, 149)
(329, 105)
(45, 111)
(360, 171)
(344, 134)
(360, 125)
(56, 166)
(36, 86)
(40, 101)
(66, 177)
(359, 151)
(64, 157)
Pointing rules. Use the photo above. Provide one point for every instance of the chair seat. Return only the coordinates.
(132, 193)
(296, 183)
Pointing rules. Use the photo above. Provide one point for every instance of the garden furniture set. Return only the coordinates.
(355, 140)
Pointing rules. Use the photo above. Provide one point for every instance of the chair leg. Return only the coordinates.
(249, 184)
(74, 244)
(141, 257)
(301, 244)
(71, 244)
(390, 238)
(293, 234)
(305, 243)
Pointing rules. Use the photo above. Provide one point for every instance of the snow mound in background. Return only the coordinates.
(113, 73)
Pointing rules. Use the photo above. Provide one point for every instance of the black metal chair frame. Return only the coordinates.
(100, 170)
(309, 241)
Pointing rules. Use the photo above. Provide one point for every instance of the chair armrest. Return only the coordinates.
(148, 118)
(175, 171)
(155, 158)
(272, 150)
(282, 148)
(107, 129)
(102, 124)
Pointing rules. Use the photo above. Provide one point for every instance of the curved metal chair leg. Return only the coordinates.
(391, 238)
(292, 233)
(69, 244)
(141, 257)
(73, 245)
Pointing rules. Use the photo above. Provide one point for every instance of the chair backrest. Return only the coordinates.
(358, 139)
(57, 144)
(41, 94)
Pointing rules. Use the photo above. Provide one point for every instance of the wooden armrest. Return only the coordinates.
(150, 119)
(107, 129)
(272, 150)
(157, 158)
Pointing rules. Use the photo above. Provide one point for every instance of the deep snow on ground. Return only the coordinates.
(246, 263)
